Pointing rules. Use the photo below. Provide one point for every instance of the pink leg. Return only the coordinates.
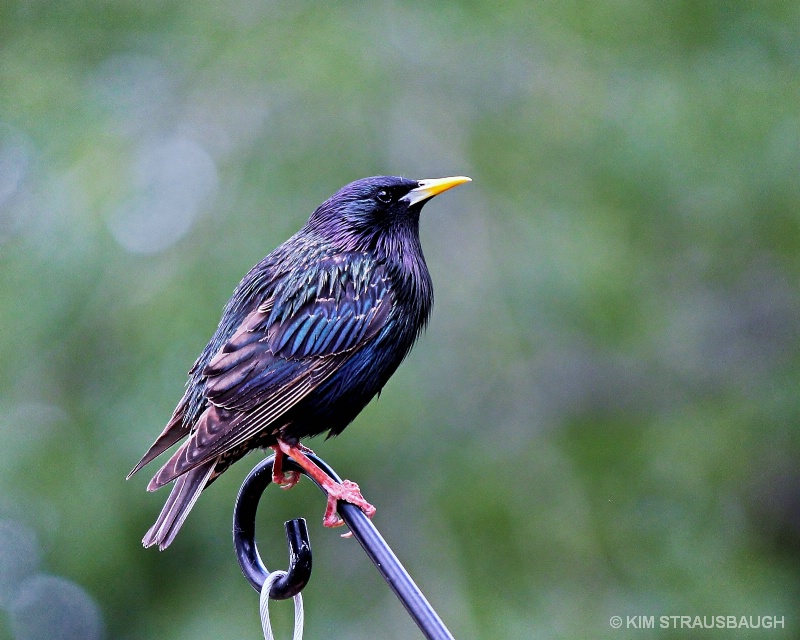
(347, 490)
(283, 480)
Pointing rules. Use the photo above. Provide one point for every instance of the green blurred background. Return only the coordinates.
(602, 417)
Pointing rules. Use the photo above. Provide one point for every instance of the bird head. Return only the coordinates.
(373, 212)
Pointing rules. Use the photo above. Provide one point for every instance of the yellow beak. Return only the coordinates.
(429, 188)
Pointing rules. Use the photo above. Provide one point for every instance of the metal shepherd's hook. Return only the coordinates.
(299, 571)
(244, 531)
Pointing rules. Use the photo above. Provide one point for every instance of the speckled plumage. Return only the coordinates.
(310, 336)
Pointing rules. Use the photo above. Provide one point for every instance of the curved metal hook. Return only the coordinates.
(363, 531)
(244, 530)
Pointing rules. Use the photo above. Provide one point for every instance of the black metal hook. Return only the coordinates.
(244, 531)
(362, 529)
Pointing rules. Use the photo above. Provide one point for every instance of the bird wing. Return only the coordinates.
(281, 352)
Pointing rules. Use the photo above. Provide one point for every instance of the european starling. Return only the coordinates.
(312, 333)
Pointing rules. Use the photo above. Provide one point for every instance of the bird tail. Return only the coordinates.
(184, 494)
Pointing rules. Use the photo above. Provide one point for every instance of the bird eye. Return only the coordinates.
(383, 196)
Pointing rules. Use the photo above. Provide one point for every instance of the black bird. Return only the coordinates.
(310, 336)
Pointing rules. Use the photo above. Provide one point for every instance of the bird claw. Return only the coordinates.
(290, 478)
(332, 521)
(347, 491)
(285, 479)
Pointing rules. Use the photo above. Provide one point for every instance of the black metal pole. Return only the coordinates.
(363, 530)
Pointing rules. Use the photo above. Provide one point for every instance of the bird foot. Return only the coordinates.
(347, 491)
(284, 479)
(287, 479)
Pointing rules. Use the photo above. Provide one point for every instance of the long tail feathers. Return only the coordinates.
(175, 430)
(184, 494)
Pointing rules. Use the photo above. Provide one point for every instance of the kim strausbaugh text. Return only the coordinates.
(697, 622)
